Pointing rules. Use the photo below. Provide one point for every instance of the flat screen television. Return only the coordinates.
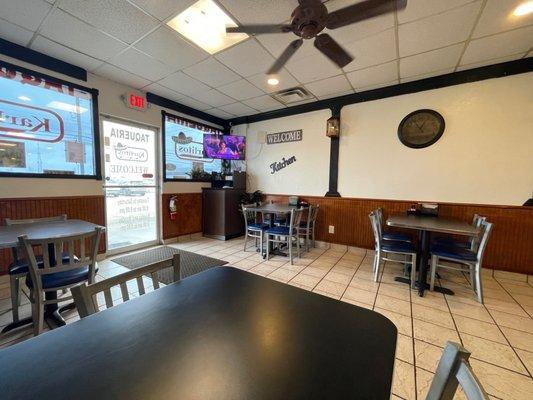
(224, 147)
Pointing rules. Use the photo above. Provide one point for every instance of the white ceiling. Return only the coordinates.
(128, 41)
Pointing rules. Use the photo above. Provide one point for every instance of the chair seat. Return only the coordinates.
(22, 267)
(453, 252)
(392, 246)
(279, 230)
(64, 278)
(400, 237)
(449, 241)
(258, 227)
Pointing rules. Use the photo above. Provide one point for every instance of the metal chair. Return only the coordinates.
(252, 228)
(58, 274)
(307, 228)
(19, 268)
(391, 247)
(454, 370)
(387, 235)
(286, 234)
(471, 259)
(471, 244)
(85, 296)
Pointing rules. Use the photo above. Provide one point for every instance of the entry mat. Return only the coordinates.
(190, 263)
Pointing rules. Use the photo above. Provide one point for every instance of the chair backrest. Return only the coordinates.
(454, 370)
(8, 221)
(86, 296)
(486, 229)
(296, 218)
(313, 213)
(81, 249)
(249, 215)
(374, 222)
(379, 219)
(477, 221)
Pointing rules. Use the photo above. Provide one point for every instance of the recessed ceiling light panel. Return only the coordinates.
(523, 9)
(204, 23)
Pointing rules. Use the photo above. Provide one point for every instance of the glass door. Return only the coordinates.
(131, 185)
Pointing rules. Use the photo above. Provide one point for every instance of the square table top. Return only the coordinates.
(273, 208)
(432, 224)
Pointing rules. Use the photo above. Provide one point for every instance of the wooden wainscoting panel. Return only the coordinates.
(510, 247)
(189, 217)
(88, 208)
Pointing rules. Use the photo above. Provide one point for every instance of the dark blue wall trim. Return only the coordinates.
(41, 60)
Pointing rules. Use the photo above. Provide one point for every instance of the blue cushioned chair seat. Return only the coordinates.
(258, 227)
(394, 246)
(453, 252)
(62, 278)
(22, 267)
(280, 220)
(449, 241)
(396, 236)
(279, 230)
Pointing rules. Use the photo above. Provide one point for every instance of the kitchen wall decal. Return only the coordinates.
(278, 166)
(285, 137)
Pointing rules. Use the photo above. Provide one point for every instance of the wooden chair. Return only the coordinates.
(19, 268)
(454, 370)
(85, 296)
(53, 275)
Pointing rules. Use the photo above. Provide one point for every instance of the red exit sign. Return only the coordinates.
(135, 101)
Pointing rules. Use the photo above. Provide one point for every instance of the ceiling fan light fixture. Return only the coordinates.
(273, 81)
(523, 9)
(204, 23)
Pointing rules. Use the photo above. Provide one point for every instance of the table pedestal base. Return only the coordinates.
(438, 289)
(52, 317)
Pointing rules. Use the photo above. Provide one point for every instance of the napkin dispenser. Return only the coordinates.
(293, 200)
(429, 209)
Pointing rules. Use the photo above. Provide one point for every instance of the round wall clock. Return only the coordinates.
(421, 128)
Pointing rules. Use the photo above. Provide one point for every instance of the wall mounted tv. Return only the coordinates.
(224, 147)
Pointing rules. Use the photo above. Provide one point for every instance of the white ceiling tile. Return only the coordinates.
(260, 11)
(14, 33)
(241, 90)
(220, 113)
(163, 9)
(197, 105)
(115, 17)
(440, 30)
(435, 60)
(213, 97)
(374, 76)
(140, 64)
(417, 9)
(378, 86)
(246, 58)
(56, 50)
(65, 29)
(338, 85)
(163, 91)
(182, 83)
(168, 47)
(212, 72)
(276, 43)
(502, 44)
(497, 16)
(312, 68)
(491, 61)
(264, 103)
(329, 96)
(285, 81)
(373, 50)
(427, 75)
(238, 109)
(119, 75)
(25, 13)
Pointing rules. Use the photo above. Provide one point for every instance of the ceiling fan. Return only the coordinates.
(311, 17)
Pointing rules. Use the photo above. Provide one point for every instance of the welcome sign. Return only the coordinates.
(284, 137)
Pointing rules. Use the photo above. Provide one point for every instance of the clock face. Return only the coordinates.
(421, 128)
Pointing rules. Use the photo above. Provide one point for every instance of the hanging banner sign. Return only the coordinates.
(284, 137)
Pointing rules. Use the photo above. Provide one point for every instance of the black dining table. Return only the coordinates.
(44, 230)
(221, 334)
(426, 225)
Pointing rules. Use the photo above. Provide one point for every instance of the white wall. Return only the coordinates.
(485, 155)
(109, 103)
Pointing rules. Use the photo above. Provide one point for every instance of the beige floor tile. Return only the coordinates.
(475, 311)
(404, 348)
(403, 323)
(511, 276)
(494, 353)
(427, 355)
(502, 383)
(357, 303)
(306, 280)
(423, 382)
(433, 315)
(333, 288)
(362, 296)
(330, 295)
(337, 277)
(431, 299)
(263, 269)
(364, 284)
(283, 274)
(519, 339)
(480, 329)
(398, 291)
(505, 306)
(343, 271)
(513, 321)
(517, 288)
(527, 359)
(435, 334)
(524, 300)
(393, 304)
(318, 272)
(403, 383)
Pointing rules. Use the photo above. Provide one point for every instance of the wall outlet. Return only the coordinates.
(331, 229)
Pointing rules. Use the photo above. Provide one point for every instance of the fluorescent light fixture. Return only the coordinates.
(523, 9)
(24, 98)
(66, 107)
(273, 81)
(204, 23)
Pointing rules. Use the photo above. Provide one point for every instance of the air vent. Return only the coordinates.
(292, 95)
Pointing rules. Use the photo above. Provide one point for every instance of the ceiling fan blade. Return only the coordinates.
(257, 29)
(285, 56)
(361, 11)
(331, 49)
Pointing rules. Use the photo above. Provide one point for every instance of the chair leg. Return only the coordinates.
(413, 271)
(37, 314)
(473, 277)
(289, 244)
(313, 232)
(245, 240)
(298, 246)
(479, 285)
(268, 246)
(307, 240)
(15, 296)
(261, 244)
(433, 272)
(377, 261)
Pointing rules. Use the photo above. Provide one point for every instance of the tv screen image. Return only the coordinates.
(224, 147)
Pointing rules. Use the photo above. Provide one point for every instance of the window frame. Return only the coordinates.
(164, 158)
(96, 128)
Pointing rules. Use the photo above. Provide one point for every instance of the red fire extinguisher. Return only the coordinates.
(173, 207)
